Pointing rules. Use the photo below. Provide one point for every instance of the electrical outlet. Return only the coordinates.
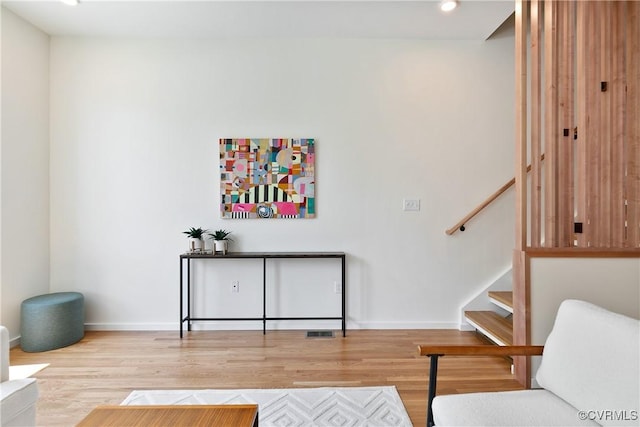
(337, 287)
(235, 286)
(411, 205)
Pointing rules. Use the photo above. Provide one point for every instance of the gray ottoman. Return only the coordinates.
(51, 321)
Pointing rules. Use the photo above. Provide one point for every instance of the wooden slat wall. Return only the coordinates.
(582, 53)
(522, 365)
(593, 179)
(536, 124)
(565, 112)
(592, 131)
(632, 127)
(618, 228)
(604, 209)
(521, 123)
(550, 123)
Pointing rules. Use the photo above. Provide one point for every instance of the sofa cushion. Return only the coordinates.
(506, 408)
(18, 401)
(591, 360)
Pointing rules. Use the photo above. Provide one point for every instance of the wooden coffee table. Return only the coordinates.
(173, 415)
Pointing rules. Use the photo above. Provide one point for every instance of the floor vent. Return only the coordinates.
(320, 334)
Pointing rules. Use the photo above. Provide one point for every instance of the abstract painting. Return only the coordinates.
(267, 178)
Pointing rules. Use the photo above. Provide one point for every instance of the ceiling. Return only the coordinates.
(418, 19)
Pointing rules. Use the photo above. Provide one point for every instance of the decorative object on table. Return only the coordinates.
(267, 178)
(221, 241)
(196, 244)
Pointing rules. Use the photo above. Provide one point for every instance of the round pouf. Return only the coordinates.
(51, 321)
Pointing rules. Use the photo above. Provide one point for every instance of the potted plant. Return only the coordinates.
(220, 241)
(195, 238)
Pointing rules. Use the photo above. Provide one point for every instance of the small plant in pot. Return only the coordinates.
(220, 241)
(196, 243)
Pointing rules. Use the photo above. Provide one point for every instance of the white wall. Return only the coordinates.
(134, 159)
(612, 283)
(24, 259)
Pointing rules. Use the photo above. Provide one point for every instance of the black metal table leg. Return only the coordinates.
(264, 296)
(189, 294)
(433, 374)
(344, 295)
(181, 302)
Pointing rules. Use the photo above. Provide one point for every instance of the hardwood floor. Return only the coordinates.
(105, 367)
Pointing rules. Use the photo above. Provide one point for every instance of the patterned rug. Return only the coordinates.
(321, 407)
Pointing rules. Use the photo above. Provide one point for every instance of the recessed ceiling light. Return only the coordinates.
(448, 5)
(70, 2)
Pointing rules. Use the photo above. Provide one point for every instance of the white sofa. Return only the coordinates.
(589, 374)
(19, 396)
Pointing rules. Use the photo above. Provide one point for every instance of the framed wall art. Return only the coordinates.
(267, 178)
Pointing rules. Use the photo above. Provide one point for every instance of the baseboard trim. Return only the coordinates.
(14, 342)
(131, 326)
(466, 327)
(404, 325)
(271, 325)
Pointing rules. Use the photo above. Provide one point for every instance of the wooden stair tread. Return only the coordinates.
(505, 297)
(492, 325)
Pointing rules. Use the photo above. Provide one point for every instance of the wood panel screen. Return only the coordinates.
(580, 66)
(578, 124)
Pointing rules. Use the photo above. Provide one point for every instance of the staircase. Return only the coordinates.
(495, 327)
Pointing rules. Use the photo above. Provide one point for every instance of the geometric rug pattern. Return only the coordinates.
(308, 407)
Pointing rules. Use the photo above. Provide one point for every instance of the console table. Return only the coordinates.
(188, 258)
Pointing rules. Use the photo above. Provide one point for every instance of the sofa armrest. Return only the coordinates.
(480, 350)
(4, 354)
(436, 351)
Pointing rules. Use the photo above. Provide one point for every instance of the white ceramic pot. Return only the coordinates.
(220, 246)
(195, 245)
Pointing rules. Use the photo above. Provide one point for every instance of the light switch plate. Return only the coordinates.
(411, 205)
